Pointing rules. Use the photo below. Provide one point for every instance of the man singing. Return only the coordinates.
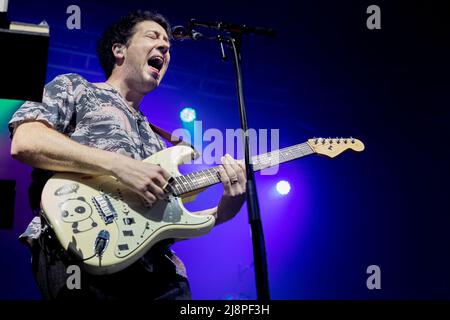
(97, 128)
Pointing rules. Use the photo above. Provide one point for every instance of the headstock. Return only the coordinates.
(332, 147)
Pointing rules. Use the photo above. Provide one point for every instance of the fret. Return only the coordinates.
(298, 152)
(197, 181)
(178, 189)
(208, 177)
(191, 183)
(211, 176)
(178, 186)
(186, 183)
(258, 159)
(202, 179)
(214, 175)
(183, 184)
(280, 156)
(291, 153)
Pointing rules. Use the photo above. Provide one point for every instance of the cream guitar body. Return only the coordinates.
(85, 211)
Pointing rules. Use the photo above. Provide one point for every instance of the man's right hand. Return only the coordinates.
(146, 179)
(40, 146)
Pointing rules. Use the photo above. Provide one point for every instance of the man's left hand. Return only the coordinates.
(232, 175)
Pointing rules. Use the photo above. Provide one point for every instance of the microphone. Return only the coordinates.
(234, 28)
(182, 33)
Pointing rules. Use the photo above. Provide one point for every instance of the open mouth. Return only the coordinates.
(156, 63)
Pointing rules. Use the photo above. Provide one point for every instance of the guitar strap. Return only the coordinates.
(174, 140)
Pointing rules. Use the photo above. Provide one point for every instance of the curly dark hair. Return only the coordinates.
(121, 32)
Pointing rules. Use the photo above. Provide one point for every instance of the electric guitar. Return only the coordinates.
(108, 227)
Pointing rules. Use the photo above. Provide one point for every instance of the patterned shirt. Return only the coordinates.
(95, 117)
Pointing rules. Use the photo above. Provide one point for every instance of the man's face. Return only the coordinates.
(147, 55)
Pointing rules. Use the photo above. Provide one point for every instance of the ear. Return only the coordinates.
(119, 50)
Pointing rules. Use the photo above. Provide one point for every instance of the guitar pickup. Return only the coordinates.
(105, 208)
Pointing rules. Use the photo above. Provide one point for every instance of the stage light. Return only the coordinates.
(7, 108)
(283, 187)
(188, 114)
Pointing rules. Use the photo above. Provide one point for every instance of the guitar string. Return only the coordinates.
(203, 178)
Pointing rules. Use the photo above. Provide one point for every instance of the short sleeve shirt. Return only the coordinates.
(93, 116)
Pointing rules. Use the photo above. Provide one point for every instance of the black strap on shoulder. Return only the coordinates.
(174, 140)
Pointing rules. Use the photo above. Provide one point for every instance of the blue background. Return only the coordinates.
(325, 75)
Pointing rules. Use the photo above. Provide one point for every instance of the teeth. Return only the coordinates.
(156, 58)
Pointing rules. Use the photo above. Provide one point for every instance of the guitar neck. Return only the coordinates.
(204, 178)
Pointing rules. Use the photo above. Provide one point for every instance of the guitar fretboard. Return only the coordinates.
(204, 178)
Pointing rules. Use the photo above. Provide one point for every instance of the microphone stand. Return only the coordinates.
(234, 40)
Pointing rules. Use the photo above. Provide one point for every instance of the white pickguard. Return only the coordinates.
(133, 226)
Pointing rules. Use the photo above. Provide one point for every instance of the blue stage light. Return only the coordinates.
(188, 114)
(283, 187)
